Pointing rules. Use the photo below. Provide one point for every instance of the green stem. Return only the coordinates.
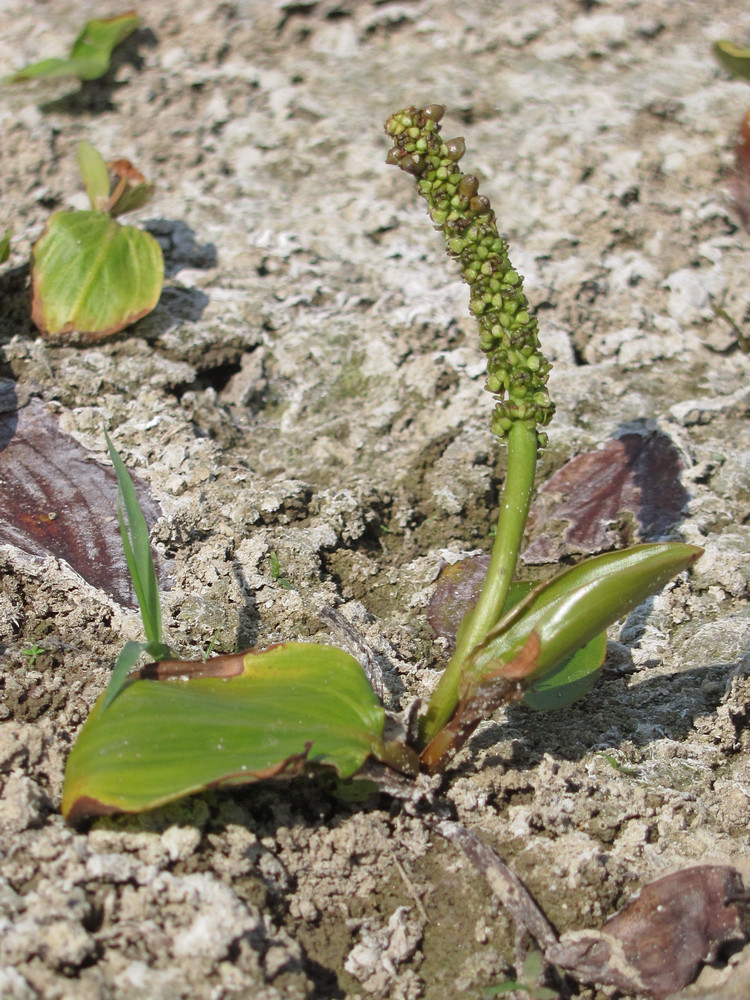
(514, 509)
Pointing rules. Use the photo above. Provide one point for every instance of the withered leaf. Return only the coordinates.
(739, 181)
(457, 590)
(55, 500)
(657, 944)
(585, 507)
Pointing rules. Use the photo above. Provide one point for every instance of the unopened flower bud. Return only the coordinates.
(456, 149)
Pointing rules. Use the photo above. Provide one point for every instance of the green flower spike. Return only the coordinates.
(517, 371)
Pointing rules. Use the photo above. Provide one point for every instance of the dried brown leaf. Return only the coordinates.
(601, 499)
(56, 500)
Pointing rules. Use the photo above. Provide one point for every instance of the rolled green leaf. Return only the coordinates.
(91, 53)
(734, 58)
(572, 608)
(94, 175)
(231, 720)
(93, 276)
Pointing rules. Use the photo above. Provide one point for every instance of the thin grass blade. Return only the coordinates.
(137, 546)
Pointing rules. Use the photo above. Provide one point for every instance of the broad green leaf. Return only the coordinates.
(94, 175)
(264, 715)
(93, 276)
(91, 52)
(570, 610)
(137, 546)
(734, 58)
(4, 248)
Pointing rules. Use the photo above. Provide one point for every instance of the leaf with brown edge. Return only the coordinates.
(231, 720)
(477, 702)
(56, 501)
(92, 277)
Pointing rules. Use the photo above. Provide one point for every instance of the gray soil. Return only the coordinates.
(310, 385)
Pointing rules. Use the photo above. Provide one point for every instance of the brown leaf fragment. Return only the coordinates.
(657, 944)
(595, 501)
(739, 181)
(457, 590)
(225, 665)
(55, 500)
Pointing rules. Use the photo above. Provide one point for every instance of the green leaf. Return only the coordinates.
(91, 52)
(137, 545)
(93, 276)
(571, 609)
(94, 175)
(734, 58)
(235, 719)
(124, 663)
(571, 679)
(5, 247)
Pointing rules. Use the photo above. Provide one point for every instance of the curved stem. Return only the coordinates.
(514, 509)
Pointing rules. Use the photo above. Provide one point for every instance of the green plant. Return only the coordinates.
(734, 58)
(526, 984)
(32, 652)
(276, 573)
(90, 54)
(247, 716)
(90, 275)
(4, 247)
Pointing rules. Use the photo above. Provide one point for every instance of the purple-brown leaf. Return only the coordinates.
(456, 592)
(657, 944)
(55, 500)
(601, 499)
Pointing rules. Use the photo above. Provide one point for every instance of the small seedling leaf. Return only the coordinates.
(93, 276)
(94, 175)
(91, 53)
(137, 546)
(734, 58)
(131, 192)
(5, 248)
(232, 720)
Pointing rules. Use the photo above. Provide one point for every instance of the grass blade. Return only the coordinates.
(123, 664)
(137, 546)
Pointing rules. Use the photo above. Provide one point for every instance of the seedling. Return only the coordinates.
(90, 55)
(4, 248)
(526, 984)
(276, 573)
(32, 652)
(297, 706)
(90, 275)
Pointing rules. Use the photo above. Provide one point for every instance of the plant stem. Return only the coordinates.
(514, 508)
